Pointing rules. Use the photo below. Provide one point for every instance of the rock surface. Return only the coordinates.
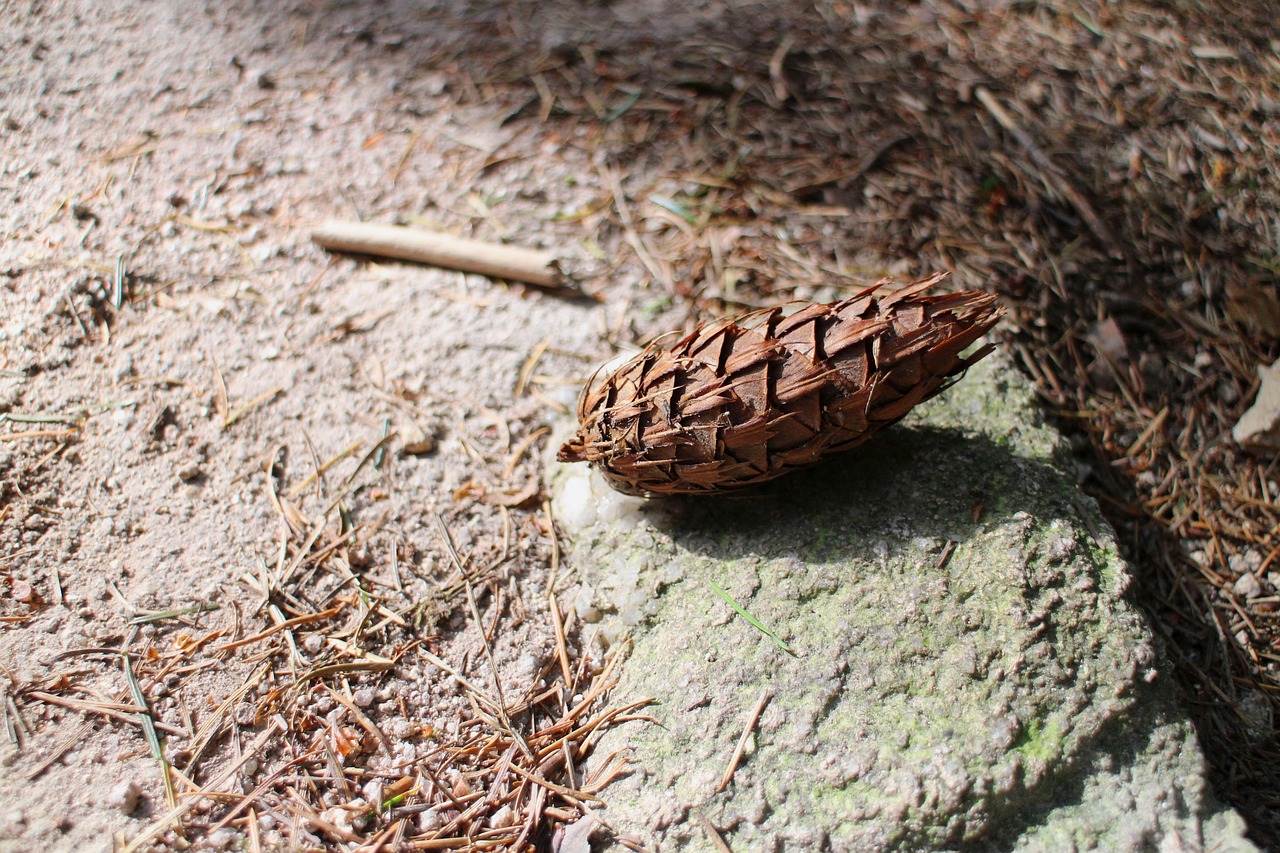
(962, 668)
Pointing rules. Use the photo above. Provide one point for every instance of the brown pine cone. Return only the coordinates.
(739, 402)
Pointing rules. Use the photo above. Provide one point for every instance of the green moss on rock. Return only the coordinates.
(966, 669)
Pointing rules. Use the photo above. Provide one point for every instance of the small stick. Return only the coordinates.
(776, 62)
(283, 626)
(513, 263)
(742, 741)
(946, 555)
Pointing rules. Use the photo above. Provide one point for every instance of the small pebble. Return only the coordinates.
(190, 473)
(503, 817)
(221, 839)
(125, 797)
(363, 697)
(21, 591)
(11, 823)
(1247, 586)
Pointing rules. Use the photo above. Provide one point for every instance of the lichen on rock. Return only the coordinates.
(964, 667)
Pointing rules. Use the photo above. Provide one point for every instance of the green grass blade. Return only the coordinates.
(728, 599)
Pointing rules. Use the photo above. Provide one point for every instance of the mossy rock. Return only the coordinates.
(961, 668)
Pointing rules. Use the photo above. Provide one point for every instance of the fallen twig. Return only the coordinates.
(514, 263)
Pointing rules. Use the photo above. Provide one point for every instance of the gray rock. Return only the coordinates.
(964, 669)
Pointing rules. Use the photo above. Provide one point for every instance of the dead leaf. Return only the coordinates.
(1258, 430)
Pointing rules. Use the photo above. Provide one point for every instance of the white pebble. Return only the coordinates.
(1247, 586)
(576, 508)
(221, 839)
(337, 816)
(125, 797)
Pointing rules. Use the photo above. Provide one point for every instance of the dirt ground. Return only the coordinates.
(233, 464)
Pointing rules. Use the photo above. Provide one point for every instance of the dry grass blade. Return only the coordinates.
(69, 743)
(240, 411)
(37, 433)
(132, 714)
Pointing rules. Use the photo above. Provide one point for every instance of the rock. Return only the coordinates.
(503, 817)
(430, 820)
(125, 797)
(576, 837)
(1247, 586)
(414, 440)
(337, 816)
(964, 669)
(12, 822)
(220, 839)
(1258, 430)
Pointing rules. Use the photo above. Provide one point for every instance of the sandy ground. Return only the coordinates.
(195, 394)
(194, 146)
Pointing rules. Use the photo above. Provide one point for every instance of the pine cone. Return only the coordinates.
(739, 402)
